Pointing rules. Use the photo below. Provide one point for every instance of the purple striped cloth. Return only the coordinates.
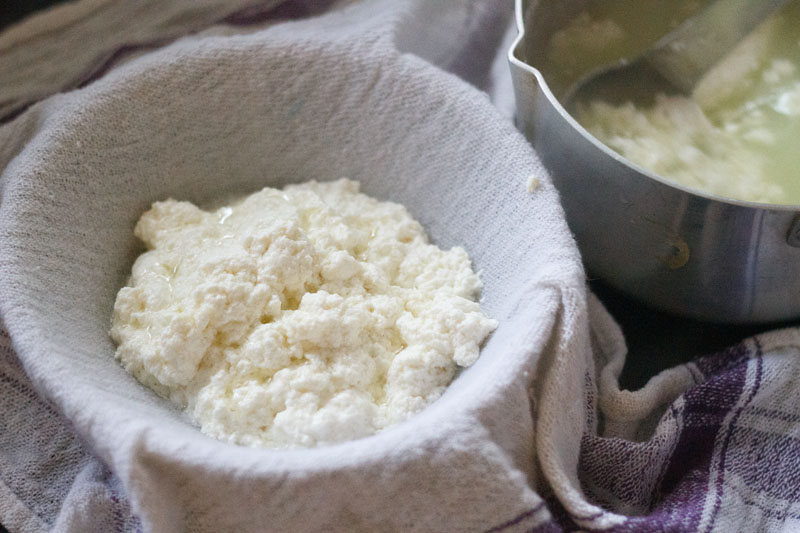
(722, 456)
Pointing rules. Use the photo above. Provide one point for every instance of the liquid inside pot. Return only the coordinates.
(736, 137)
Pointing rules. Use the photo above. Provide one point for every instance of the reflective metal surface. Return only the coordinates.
(684, 55)
(681, 251)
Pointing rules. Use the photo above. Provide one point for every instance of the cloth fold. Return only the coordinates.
(210, 97)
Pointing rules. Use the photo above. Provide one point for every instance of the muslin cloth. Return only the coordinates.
(204, 99)
(231, 110)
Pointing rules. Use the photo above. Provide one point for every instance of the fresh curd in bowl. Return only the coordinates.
(296, 317)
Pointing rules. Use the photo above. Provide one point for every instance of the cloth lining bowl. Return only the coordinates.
(203, 120)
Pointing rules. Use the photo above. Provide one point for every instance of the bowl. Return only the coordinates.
(676, 249)
(207, 118)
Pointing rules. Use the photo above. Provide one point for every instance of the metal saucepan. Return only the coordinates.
(682, 251)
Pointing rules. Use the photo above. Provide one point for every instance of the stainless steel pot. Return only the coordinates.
(676, 249)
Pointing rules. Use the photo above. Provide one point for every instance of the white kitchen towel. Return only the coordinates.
(362, 91)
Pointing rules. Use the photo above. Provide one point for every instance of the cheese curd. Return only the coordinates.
(296, 317)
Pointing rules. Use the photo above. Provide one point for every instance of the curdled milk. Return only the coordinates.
(296, 317)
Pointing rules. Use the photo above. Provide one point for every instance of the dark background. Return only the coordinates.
(13, 10)
(657, 341)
